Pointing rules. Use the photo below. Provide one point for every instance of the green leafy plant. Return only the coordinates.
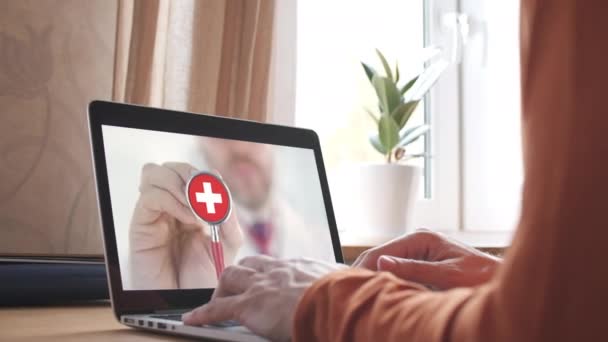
(396, 104)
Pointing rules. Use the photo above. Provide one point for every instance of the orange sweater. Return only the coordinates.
(553, 284)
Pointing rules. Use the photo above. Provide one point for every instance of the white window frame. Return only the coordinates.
(282, 94)
(442, 210)
(492, 175)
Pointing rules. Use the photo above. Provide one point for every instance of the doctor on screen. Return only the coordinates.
(170, 249)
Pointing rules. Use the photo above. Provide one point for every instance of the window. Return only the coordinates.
(332, 89)
(333, 92)
(473, 177)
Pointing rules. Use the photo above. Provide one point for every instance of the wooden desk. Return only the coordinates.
(83, 322)
(95, 321)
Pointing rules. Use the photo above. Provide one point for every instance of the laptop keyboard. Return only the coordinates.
(178, 318)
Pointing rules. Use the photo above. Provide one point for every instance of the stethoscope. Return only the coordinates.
(210, 200)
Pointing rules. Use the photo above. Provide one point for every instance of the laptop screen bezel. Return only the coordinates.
(131, 116)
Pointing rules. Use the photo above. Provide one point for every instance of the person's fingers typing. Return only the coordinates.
(261, 263)
(422, 272)
(217, 310)
(412, 246)
(234, 280)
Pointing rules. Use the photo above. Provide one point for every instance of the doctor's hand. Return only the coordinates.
(262, 294)
(162, 214)
(431, 259)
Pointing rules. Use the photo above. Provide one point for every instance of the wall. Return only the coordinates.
(55, 56)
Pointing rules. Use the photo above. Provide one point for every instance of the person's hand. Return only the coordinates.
(430, 259)
(262, 294)
(162, 214)
(162, 206)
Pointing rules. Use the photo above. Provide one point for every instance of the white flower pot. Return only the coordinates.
(374, 202)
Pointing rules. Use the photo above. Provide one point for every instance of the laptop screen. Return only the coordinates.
(277, 205)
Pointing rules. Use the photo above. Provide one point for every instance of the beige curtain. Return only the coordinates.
(209, 56)
(205, 56)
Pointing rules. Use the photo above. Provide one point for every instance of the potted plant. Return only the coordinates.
(390, 189)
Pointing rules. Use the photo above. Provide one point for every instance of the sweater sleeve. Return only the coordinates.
(360, 305)
(553, 284)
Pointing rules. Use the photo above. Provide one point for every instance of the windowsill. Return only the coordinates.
(489, 242)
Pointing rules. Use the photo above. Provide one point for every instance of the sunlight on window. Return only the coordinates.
(332, 89)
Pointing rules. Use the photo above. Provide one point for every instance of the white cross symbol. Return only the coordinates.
(208, 197)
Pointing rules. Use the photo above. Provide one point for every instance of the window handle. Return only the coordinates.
(462, 29)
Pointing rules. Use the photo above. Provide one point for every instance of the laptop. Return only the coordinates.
(158, 258)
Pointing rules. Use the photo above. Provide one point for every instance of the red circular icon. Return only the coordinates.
(209, 197)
